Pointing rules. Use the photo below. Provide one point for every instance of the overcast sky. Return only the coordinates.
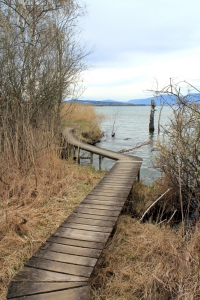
(137, 42)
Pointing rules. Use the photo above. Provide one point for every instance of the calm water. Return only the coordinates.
(131, 126)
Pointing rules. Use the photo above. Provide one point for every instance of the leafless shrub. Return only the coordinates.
(40, 65)
(179, 153)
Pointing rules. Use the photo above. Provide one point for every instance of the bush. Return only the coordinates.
(179, 153)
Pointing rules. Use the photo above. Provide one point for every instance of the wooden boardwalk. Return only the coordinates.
(62, 266)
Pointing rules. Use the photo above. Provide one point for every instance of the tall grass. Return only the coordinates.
(84, 119)
(148, 262)
(37, 195)
(29, 216)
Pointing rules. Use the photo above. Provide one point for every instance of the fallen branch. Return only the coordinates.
(172, 216)
(136, 147)
(146, 211)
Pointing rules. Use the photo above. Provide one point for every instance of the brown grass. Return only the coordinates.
(84, 118)
(28, 216)
(147, 262)
(38, 193)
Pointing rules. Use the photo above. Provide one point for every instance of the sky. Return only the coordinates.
(138, 45)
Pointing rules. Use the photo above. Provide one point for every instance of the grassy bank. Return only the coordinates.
(35, 201)
(149, 260)
(85, 120)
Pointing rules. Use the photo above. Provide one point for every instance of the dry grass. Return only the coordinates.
(28, 215)
(146, 262)
(86, 121)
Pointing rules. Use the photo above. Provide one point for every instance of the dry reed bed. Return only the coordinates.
(84, 117)
(28, 215)
(148, 262)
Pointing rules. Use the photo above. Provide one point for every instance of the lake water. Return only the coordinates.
(131, 126)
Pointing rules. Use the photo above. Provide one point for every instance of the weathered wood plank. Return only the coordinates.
(96, 217)
(32, 274)
(116, 179)
(81, 220)
(60, 267)
(30, 288)
(108, 193)
(101, 207)
(78, 243)
(68, 249)
(67, 258)
(101, 212)
(103, 202)
(109, 197)
(120, 185)
(116, 182)
(83, 235)
(92, 228)
(81, 293)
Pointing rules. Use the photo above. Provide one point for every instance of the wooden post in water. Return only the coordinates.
(91, 158)
(151, 121)
(138, 176)
(100, 161)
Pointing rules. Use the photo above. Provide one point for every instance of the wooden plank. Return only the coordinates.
(101, 207)
(28, 288)
(82, 235)
(92, 228)
(81, 293)
(100, 212)
(96, 217)
(66, 258)
(78, 243)
(76, 219)
(103, 202)
(116, 180)
(109, 197)
(60, 267)
(106, 193)
(110, 185)
(68, 249)
(32, 274)
(109, 190)
(114, 175)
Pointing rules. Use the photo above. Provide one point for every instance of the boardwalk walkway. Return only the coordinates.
(62, 266)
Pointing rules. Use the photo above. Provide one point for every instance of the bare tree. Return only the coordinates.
(41, 61)
(179, 154)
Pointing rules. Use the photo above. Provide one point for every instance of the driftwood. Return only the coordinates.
(146, 211)
(138, 145)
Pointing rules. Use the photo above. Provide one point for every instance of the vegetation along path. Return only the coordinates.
(62, 266)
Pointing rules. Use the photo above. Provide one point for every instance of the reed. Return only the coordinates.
(84, 119)
(148, 262)
(38, 191)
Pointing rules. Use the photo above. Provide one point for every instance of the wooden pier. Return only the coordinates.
(62, 266)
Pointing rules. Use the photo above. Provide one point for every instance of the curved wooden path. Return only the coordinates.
(62, 266)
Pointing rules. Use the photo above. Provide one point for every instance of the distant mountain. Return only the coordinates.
(141, 102)
(159, 100)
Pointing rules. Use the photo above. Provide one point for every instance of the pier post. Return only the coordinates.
(91, 158)
(138, 176)
(151, 121)
(70, 151)
(100, 161)
(78, 155)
